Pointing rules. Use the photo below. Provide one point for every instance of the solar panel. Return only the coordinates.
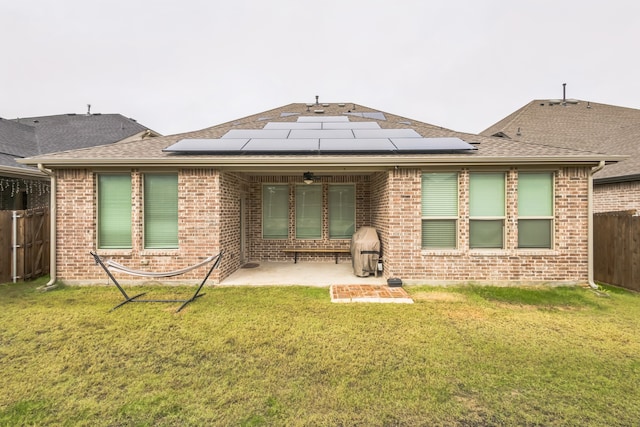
(280, 145)
(376, 115)
(206, 145)
(356, 145)
(318, 135)
(323, 119)
(256, 133)
(323, 133)
(351, 125)
(386, 133)
(292, 125)
(431, 144)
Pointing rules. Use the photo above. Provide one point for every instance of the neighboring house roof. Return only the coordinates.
(581, 125)
(32, 136)
(149, 152)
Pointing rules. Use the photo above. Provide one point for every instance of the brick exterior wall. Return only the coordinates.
(379, 206)
(566, 262)
(614, 197)
(233, 189)
(204, 198)
(271, 250)
(213, 205)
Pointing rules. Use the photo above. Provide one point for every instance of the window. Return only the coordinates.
(440, 210)
(160, 211)
(342, 211)
(535, 209)
(486, 210)
(275, 211)
(114, 211)
(308, 211)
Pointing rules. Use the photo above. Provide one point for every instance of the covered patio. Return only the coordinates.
(301, 273)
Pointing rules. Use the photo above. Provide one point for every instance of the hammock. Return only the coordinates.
(112, 265)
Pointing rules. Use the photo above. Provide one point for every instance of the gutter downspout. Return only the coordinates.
(594, 169)
(52, 238)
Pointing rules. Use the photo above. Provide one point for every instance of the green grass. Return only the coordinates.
(252, 356)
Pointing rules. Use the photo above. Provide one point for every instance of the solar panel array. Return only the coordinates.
(320, 135)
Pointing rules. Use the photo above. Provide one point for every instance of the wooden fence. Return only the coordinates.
(616, 254)
(31, 231)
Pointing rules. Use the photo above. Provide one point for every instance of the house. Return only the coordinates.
(449, 207)
(25, 187)
(588, 126)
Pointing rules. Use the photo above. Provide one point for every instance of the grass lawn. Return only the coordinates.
(287, 356)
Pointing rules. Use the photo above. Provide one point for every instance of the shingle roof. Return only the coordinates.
(579, 125)
(16, 140)
(149, 152)
(34, 136)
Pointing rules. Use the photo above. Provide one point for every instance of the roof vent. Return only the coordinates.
(325, 105)
(341, 105)
(318, 111)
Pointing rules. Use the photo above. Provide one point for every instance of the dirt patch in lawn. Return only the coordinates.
(438, 296)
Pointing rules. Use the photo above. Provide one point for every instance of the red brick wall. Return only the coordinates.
(567, 261)
(620, 196)
(199, 228)
(75, 223)
(379, 207)
(271, 250)
(233, 188)
(209, 220)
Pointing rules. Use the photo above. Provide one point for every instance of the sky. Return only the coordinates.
(177, 66)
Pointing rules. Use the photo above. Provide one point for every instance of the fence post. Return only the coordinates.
(14, 246)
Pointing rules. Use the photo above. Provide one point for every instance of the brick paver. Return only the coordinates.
(369, 293)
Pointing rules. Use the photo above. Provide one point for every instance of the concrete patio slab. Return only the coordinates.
(302, 273)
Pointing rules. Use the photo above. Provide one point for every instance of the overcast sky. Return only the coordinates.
(183, 65)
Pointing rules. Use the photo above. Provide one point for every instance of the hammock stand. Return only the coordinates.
(109, 265)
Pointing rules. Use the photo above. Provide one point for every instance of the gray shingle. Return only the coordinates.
(17, 139)
(150, 150)
(579, 125)
(32, 136)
